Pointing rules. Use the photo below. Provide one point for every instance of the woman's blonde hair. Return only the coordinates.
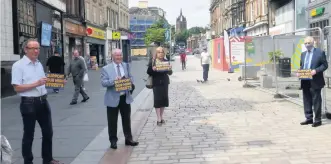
(160, 49)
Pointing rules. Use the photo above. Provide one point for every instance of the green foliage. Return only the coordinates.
(196, 30)
(182, 36)
(278, 54)
(156, 33)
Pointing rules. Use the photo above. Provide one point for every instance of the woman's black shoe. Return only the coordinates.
(158, 123)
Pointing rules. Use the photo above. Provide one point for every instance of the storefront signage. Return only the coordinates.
(95, 33)
(116, 35)
(46, 34)
(75, 29)
(317, 12)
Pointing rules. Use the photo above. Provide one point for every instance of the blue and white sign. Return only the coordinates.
(46, 34)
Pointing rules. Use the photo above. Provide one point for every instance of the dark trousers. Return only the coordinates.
(183, 65)
(205, 68)
(112, 116)
(33, 110)
(78, 82)
(312, 103)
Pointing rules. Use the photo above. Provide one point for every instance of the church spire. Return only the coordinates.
(181, 13)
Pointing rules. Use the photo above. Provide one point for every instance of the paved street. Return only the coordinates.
(74, 126)
(222, 122)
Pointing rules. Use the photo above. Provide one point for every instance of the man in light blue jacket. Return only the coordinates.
(117, 101)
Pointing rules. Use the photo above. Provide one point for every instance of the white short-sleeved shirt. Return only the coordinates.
(26, 72)
(205, 58)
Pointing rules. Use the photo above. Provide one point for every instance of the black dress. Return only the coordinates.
(161, 83)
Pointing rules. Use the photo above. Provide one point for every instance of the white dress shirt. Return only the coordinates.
(26, 72)
(121, 70)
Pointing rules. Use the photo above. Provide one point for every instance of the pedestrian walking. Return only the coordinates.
(183, 59)
(28, 79)
(117, 101)
(313, 59)
(78, 69)
(55, 65)
(205, 59)
(160, 81)
(85, 74)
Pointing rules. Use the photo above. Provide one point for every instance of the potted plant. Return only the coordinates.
(278, 54)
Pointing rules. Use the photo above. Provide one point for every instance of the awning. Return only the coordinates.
(256, 25)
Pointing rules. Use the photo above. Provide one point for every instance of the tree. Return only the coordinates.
(182, 36)
(196, 30)
(156, 33)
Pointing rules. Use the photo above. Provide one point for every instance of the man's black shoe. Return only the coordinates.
(307, 122)
(131, 143)
(113, 145)
(84, 100)
(317, 124)
(73, 103)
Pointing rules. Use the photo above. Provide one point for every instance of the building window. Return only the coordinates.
(88, 14)
(252, 12)
(94, 14)
(301, 14)
(113, 18)
(108, 17)
(101, 17)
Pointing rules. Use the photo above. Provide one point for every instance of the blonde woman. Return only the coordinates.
(161, 82)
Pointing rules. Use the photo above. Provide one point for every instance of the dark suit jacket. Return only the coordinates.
(320, 64)
(159, 78)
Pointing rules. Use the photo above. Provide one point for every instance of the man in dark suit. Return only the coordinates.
(315, 60)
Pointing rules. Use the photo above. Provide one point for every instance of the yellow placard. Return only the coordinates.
(55, 80)
(162, 66)
(305, 74)
(116, 35)
(123, 85)
(96, 33)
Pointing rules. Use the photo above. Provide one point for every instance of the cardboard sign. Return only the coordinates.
(123, 85)
(305, 74)
(55, 81)
(162, 66)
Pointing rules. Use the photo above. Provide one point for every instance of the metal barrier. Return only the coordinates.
(271, 63)
(327, 73)
(277, 58)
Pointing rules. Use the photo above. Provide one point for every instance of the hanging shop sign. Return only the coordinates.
(95, 33)
(317, 12)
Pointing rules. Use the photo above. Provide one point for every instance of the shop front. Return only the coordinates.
(319, 15)
(74, 39)
(95, 44)
(125, 46)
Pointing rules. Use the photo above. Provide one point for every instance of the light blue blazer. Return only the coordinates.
(108, 76)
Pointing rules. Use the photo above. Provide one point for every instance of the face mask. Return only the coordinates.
(309, 46)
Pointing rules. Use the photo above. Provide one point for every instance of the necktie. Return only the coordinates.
(307, 60)
(118, 70)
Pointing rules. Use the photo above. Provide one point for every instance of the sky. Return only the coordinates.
(195, 11)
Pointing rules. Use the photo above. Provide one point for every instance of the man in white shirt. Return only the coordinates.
(205, 62)
(28, 79)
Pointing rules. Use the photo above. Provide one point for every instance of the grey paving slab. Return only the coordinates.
(222, 122)
(74, 126)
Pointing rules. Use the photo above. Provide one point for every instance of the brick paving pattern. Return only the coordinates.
(222, 122)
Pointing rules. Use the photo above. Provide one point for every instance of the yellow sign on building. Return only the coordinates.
(116, 35)
(95, 33)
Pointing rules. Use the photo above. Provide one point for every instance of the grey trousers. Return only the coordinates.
(78, 82)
